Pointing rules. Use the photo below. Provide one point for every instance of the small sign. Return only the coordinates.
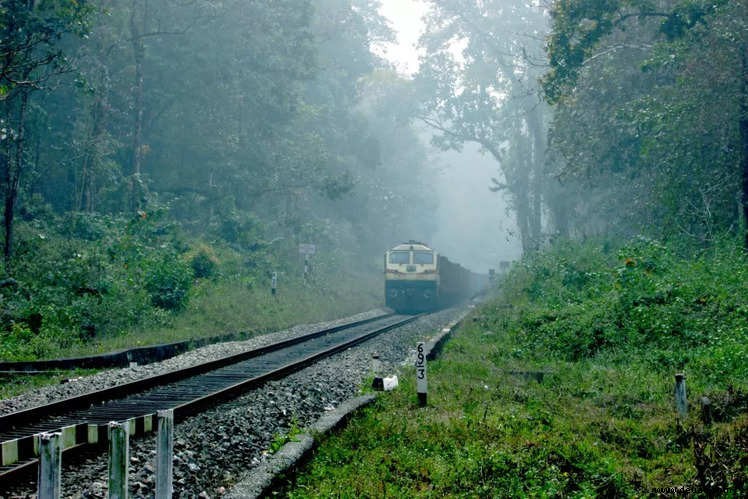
(421, 385)
(307, 249)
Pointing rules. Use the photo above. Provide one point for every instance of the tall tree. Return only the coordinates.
(30, 56)
(479, 74)
(659, 90)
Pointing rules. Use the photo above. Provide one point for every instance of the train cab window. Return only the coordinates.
(423, 257)
(400, 257)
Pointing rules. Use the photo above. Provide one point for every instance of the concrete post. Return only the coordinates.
(50, 459)
(165, 454)
(421, 383)
(706, 410)
(681, 402)
(119, 459)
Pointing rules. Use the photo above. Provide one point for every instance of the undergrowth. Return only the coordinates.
(84, 284)
(669, 312)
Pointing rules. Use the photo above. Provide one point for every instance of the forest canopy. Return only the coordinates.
(606, 119)
(144, 144)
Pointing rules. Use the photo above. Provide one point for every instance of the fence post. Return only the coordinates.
(50, 458)
(706, 410)
(681, 402)
(119, 458)
(165, 454)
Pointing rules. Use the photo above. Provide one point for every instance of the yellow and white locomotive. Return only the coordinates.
(411, 277)
(417, 279)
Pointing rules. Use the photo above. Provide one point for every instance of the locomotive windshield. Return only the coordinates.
(423, 257)
(400, 257)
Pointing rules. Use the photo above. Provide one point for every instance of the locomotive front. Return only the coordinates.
(411, 278)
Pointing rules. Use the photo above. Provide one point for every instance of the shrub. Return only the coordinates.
(576, 303)
(84, 226)
(168, 282)
(203, 265)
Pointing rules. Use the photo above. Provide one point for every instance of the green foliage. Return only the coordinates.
(30, 30)
(648, 115)
(672, 311)
(282, 438)
(70, 290)
(85, 226)
(131, 281)
(579, 26)
(203, 264)
(128, 184)
(19, 342)
(241, 229)
(168, 282)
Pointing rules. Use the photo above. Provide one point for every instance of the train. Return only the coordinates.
(418, 279)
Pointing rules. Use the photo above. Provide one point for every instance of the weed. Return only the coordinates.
(282, 438)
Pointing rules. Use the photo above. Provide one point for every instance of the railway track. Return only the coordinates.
(82, 420)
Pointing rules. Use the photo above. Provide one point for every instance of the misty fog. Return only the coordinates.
(179, 170)
(237, 131)
(474, 226)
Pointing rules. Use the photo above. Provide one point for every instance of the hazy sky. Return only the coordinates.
(405, 16)
(474, 228)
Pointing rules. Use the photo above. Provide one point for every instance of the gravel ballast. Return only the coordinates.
(213, 450)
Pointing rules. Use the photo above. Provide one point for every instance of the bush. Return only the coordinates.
(578, 303)
(168, 282)
(84, 226)
(19, 342)
(203, 265)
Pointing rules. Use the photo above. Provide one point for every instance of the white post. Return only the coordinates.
(681, 403)
(165, 454)
(421, 384)
(119, 458)
(50, 458)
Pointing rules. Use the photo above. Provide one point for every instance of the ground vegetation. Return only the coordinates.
(563, 385)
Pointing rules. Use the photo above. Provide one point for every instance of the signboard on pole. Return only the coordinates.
(307, 249)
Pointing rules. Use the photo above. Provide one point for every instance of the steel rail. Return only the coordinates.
(194, 406)
(78, 434)
(10, 420)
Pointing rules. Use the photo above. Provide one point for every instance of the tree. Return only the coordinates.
(30, 56)
(480, 75)
(650, 106)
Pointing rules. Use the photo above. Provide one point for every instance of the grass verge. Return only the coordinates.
(527, 400)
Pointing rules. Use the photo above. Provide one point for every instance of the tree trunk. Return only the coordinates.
(13, 166)
(138, 51)
(519, 186)
(744, 139)
(92, 158)
(537, 166)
